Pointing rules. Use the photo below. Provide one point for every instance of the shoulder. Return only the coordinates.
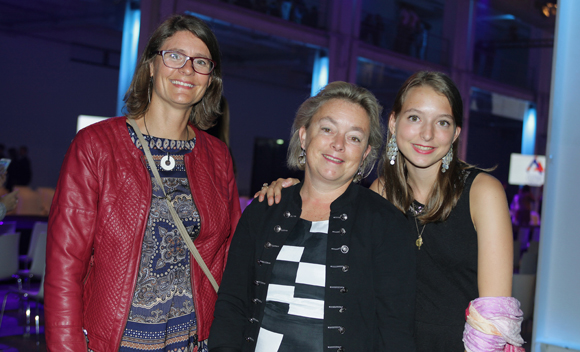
(487, 199)
(485, 185)
(370, 195)
(209, 141)
(107, 128)
(373, 203)
(110, 123)
(100, 137)
(261, 210)
(380, 220)
(211, 151)
(378, 187)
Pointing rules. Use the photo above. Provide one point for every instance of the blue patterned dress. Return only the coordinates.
(162, 315)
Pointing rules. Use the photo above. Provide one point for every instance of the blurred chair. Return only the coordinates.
(9, 255)
(524, 289)
(38, 228)
(38, 263)
(46, 195)
(7, 227)
(29, 202)
(36, 295)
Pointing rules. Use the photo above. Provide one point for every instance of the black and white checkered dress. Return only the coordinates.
(294, 310)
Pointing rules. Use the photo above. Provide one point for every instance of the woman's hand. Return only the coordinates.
(274, 191)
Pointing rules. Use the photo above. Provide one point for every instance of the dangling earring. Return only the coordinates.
(302, 157)
(447, 160)
(392, 149)
(359, 175)
(149, 89)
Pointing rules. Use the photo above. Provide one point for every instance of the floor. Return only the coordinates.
(14, 337)
(13, 334)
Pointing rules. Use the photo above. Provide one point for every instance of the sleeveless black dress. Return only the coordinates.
(446, 276)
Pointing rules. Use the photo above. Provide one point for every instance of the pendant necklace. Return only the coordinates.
(416, 212)
(167, 162)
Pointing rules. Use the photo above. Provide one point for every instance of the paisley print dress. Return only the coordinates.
(162, 315)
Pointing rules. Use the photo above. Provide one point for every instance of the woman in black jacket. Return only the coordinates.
(327, 269)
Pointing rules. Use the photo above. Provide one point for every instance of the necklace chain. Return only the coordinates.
(150, 136)
(167, 163)
(416, 210)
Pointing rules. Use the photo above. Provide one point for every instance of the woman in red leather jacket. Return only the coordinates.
(119, 276)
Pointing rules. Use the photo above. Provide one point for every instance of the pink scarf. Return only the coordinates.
(493, 324)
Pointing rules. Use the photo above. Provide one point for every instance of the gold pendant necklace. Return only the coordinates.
(416, 210)
(419, 241)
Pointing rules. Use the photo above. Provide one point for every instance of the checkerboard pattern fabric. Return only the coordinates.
(294, 311)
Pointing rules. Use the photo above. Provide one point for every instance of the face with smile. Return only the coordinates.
(183, 87)
(425, 128)
(336, 142)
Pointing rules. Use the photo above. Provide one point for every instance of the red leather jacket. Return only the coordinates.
(96, 227)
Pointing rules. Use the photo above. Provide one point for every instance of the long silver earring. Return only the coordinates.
(447, 160)
(302, 157)
(392, 149)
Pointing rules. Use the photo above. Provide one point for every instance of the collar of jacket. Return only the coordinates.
(338, 205)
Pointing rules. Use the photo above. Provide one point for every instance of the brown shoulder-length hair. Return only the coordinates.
(352, 94)
(137, 97)
(449, 185)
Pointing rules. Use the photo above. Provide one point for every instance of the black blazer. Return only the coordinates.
(373, 280)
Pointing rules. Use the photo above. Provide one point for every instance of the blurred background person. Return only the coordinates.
(522, 206)
(9, 201)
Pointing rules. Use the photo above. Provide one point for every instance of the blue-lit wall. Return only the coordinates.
(557, 318)
(129, 52)
(529, 132)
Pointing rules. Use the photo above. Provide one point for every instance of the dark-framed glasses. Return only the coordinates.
(175, 59)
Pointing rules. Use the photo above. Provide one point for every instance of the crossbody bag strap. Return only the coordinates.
(176, 218)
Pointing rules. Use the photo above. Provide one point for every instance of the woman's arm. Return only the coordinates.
(232, 307)
(69, 246)
(234, 203)
(491, 218)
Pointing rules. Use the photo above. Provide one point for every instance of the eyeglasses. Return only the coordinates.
(174, 59)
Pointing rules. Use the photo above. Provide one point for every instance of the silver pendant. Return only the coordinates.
(167, 163)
